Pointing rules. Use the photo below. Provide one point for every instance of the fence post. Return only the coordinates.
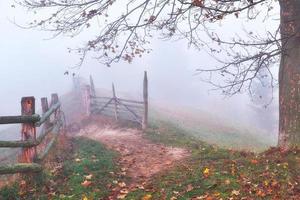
(45, 108)
(28, 129)
(54, 100)
(93, 91)
(115, 100)
(88, 99)
(145, 96)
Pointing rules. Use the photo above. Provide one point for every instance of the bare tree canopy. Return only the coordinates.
(125, 28)
(126, 34)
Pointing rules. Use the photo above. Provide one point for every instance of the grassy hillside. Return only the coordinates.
(85, 169)
(212, 129)
(209, 173)
(216, 173)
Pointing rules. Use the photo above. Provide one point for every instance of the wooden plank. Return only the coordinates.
(145, 96)
(93, 91)
(125, 110)
(115, 102)
(124, 115)
(46, 151)
(20, 168)
(49, 146)
(140, 107)
(130, 101)
(110, 105)
(19, 119)
(46, 115)
(130, 110)
(45, 108)
(97, 97)
(103, 107)
(136, 109)
(17, 144)
(121, 109)
(29, 142)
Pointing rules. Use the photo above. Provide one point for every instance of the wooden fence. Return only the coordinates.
(119, 108)
(52, 120)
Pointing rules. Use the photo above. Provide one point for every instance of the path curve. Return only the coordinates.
(140, 158)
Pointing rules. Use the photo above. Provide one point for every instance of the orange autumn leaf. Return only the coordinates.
(206, 172)
(253, 161)
(147, 197)
(86, 183)
(260, 193)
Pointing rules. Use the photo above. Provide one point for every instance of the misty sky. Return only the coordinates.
(33, 65)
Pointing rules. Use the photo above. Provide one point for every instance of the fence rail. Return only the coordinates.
(19, 119)
(29, 160)
(119, 108)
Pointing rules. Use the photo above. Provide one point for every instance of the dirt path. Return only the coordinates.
(140, 158)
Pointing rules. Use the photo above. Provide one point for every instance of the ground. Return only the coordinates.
(101, 160)
(139, 157)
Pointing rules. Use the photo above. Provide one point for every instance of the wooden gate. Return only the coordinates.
(119, 108)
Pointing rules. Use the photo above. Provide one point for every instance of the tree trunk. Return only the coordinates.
(289, 75)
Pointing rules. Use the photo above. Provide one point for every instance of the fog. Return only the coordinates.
(33, 65)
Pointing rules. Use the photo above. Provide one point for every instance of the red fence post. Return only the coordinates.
(28, 129)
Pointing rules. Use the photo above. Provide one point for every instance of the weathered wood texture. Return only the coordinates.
(93, 91)
(47, 115)
(19, 119)
(20, 168)
(145, 96)
(28, 129)
(29, 141)
(115, 102)
(125, 109)
(45, 108)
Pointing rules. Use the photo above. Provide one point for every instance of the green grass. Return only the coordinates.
(210, 172)
(65, 184)
(232, 174)
(95, 159)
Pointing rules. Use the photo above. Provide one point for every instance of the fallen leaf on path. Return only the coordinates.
(122, 184)
(89, 177)
(189, 188)
(123, 169)
(235, 192)
(86, 183)
(147, 197)
(141, 187)
(260, 193)
(206, 172)
(121, 196)
(253, 161)
(84, 198)
(227, 182)
(124, 191)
